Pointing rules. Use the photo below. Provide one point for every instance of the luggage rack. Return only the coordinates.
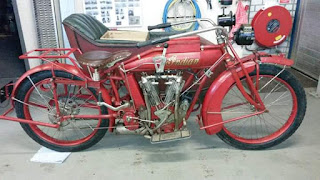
(50, 53)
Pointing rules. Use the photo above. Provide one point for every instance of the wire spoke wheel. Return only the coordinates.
(284, 99)
(41, 100)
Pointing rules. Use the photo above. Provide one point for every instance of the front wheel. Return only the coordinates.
(285, 101)
(38, 99)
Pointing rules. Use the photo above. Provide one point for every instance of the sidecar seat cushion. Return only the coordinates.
(91, 29)
(86, 25)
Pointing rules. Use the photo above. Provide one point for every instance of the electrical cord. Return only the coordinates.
(209, 4)
(196, 12)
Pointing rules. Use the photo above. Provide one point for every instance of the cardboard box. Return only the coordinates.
(126, 35)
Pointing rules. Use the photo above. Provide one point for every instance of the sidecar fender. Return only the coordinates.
(215, 94)
(46, 67)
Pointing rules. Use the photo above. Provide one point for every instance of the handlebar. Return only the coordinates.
(166, 25)
(220, 31)
(159, 26)
(153, 42)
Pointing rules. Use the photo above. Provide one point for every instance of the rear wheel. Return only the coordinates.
(285, 102)
(35, 101)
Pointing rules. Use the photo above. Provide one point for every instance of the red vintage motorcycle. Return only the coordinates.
(250, 103)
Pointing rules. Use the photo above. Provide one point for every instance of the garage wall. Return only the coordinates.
(306, 51)
(152, 14)
(152, 11)
(25, 16)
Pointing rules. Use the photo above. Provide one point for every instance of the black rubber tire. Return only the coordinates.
(24, 88)
(267, 69)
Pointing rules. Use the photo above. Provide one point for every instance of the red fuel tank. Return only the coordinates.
(182, 53)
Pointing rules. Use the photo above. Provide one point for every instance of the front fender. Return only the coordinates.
(275, 59)
(214, 97)
(270, 59)
(215, 94)
(47, 67)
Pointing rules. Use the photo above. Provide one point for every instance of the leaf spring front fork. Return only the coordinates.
(254, 97)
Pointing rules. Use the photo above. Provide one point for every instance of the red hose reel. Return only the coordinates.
(272, 26)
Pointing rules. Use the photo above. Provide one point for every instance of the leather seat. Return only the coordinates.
(100, 59)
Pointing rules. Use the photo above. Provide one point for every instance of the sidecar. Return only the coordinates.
(84, 32)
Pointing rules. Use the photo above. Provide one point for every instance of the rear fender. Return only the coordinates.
(214, 97)
(47, 67)
(70, 69)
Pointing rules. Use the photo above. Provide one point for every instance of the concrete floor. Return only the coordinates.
(200, 157)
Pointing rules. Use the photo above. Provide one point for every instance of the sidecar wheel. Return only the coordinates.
(36, 102)
(285, 100)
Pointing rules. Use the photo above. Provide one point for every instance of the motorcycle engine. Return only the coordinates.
(162, 97)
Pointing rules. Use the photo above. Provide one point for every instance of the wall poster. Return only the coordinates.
(115, 13)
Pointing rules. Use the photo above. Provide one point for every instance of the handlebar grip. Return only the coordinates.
(159, 26)
(154, 41)
(144, 43)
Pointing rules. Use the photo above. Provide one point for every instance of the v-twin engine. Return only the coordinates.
(150, 84)
(162, 96)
